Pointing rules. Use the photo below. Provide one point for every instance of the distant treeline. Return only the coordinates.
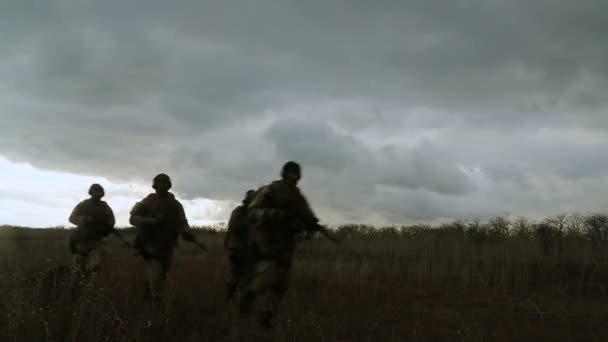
(593, 227)
(551, 230)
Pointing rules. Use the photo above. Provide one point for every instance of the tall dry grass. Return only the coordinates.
(503, 280)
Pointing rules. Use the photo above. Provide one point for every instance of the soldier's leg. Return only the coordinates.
(154, 269)
(246, 300)
(230, 279)
(243, 270)
(278, 282)
(268, 284)
(79, 263)
(95, 262)
(157, 269)
(167, 264)
(251, 281)
(238, 269)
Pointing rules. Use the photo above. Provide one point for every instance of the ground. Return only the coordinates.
(437, 285)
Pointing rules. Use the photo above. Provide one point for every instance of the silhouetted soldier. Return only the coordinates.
(159, 220)
(236, 242)
(94, 220)
(277, 214)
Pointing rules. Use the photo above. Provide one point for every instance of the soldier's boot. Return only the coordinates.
(272, 298)
(155, 294)
(92, 276)
(157, 300)
(94, 264)
(147, 291)
(231, 280)
(78, 277)
(230, 289)
(265, 320)
(151, 296)
(247, 299)
(157, 278)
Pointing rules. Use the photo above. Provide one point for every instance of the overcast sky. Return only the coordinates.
(398, 111)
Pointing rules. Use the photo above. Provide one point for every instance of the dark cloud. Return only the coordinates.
(426, 167)
(397, 109)
(318, 145)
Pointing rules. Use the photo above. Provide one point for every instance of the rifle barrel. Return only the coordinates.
(200, 245)
(325, 232)
(121, 238)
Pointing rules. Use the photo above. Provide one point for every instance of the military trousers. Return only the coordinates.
(239, 269)
(157, 269)
(88, 259)
(267, 283)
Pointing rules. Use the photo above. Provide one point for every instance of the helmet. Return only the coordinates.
(249, 196)
(161, 178)
(96, 189)
(290, 167)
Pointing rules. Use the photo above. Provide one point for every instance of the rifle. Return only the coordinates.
(199, 245)
(326, 233)
(121, 238)
(141, 251)
(313, 225)
(162, 219)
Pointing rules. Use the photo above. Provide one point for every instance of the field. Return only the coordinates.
(503, 280)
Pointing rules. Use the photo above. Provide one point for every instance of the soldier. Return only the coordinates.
(94, 220)
(159, 220)
(277, 213)
(236, 242)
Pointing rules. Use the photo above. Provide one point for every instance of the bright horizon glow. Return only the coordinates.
(31, 197)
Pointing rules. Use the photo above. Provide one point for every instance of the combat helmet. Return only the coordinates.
(248, 196)
(290, 167)
(96, 189)
(161, 178)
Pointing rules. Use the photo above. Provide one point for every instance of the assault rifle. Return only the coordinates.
(199, 244)
(160, 222)
(121, 238)
(312, 225)
(327, 233)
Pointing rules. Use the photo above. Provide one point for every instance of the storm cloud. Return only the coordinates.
(398, 110)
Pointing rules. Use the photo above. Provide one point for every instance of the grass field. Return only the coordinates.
(504, 280)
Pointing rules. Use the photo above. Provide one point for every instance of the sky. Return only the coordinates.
(398, 111)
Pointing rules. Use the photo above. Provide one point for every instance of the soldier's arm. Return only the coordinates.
(137, 217)
(110, 218)
(232, 222)
(183, 227)
(75, 216)
(303, 208)
(311, 224)
(259, 209)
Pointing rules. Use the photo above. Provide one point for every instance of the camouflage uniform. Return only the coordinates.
(94, 220)
(159, 220)
(236, 242)
(275, 214)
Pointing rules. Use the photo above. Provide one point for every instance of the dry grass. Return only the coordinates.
(501, 281)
